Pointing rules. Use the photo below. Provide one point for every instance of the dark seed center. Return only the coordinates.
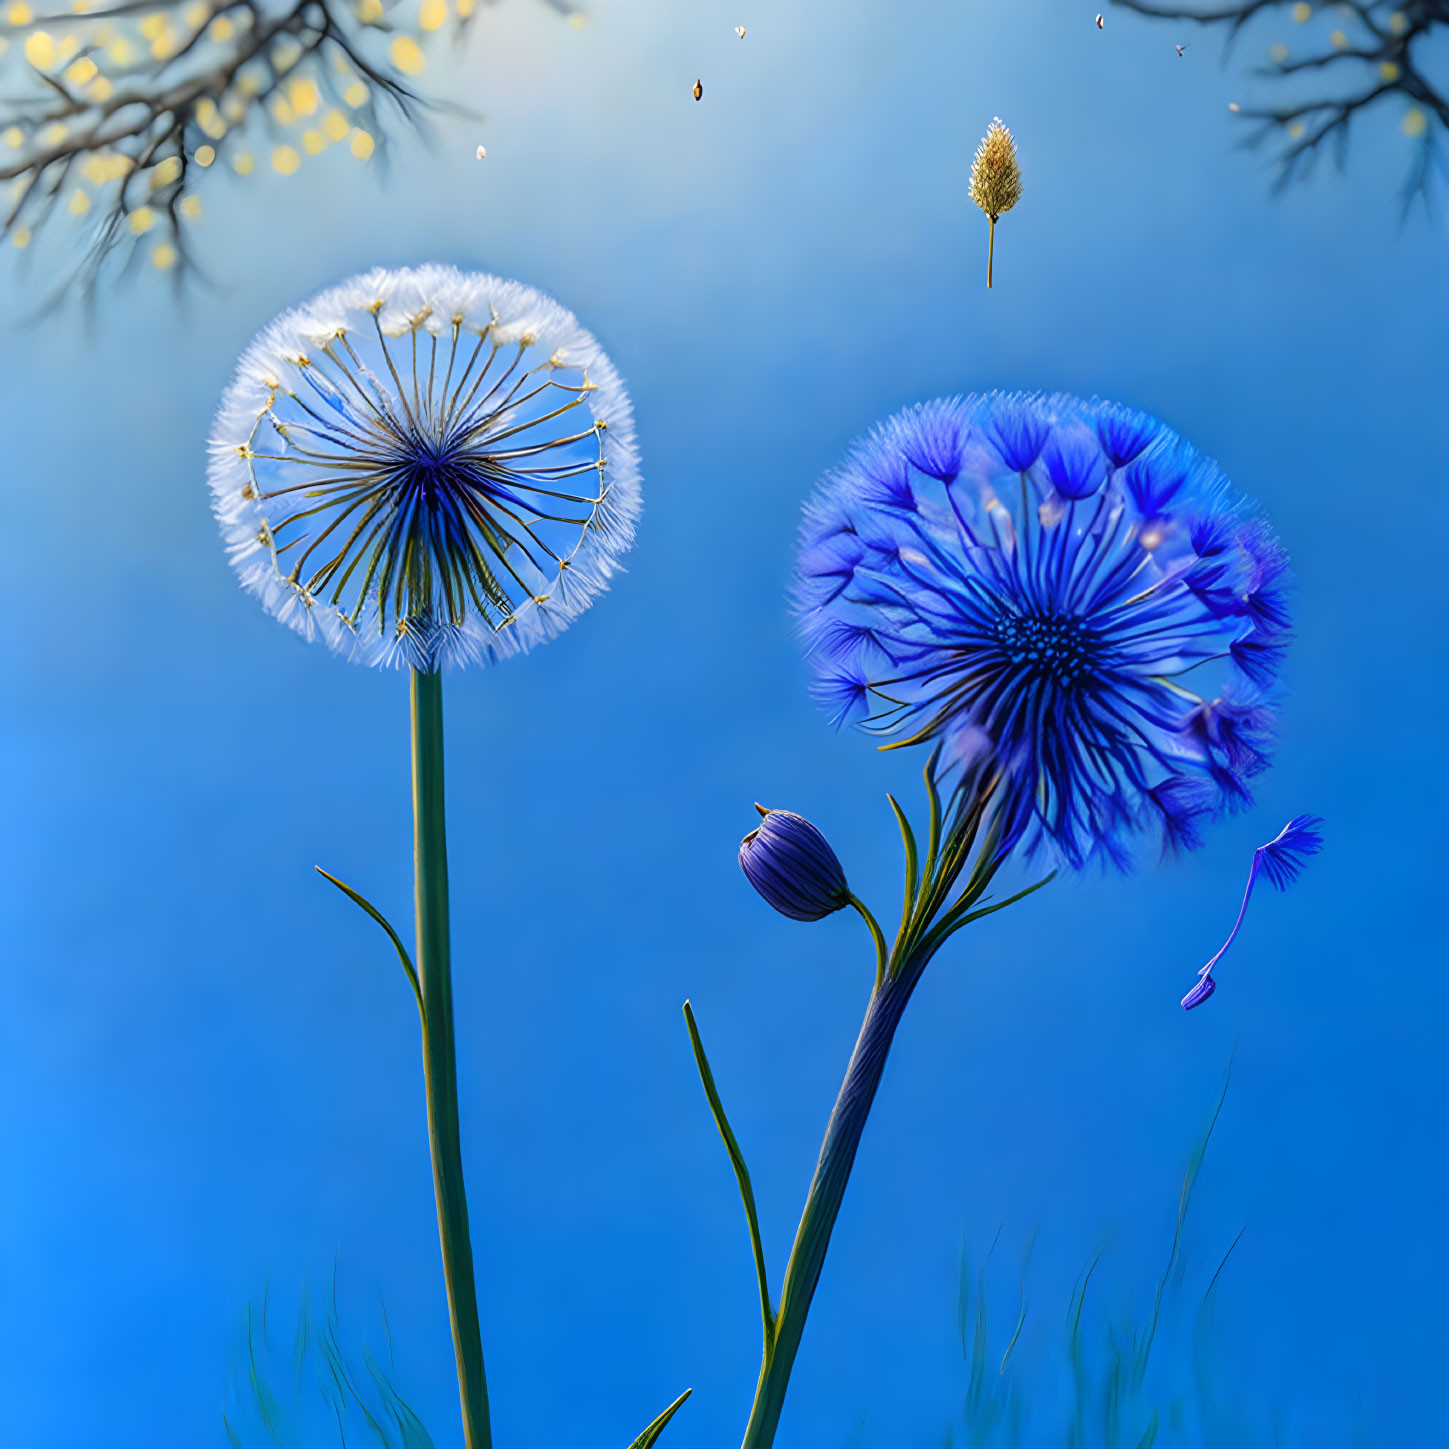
(1055, 647)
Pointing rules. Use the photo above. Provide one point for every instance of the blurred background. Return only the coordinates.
(209, 1068)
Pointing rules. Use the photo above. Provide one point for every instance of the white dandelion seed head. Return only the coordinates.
(425, 468)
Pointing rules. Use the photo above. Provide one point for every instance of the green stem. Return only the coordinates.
(430, 866)
(827, 1191)
(882, 953)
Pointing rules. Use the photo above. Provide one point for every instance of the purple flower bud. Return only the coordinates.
(1199, 993)
(792, 865)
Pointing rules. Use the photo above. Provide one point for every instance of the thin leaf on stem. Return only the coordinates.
(742, 1177)
(392, 935)
(648, 1437)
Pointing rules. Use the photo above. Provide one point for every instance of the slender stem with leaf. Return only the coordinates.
(937, 903)
(432, 986)
(440, 1073)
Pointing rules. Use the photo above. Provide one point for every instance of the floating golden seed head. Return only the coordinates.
(995, 176)
(698, 90)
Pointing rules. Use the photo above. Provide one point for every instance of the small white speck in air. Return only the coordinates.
(482, 153)
(1234, 106)
(740, 31)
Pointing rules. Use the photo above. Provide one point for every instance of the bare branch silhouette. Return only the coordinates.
(110, 117)
(1359, 53)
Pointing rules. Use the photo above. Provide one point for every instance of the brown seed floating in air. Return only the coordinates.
(740, 31)
(995, 181)
(698, 90)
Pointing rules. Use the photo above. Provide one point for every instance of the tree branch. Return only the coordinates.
(1387, 58)
(119, 112)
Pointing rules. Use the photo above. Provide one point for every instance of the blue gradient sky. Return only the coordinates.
(209, 1072)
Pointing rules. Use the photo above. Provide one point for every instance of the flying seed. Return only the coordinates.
(1099, 22)
(482, 153)
(740, 31)
(1179, 49)
(1234, 106)
(698, 90)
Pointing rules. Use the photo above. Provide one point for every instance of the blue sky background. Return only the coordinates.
(209, 1069)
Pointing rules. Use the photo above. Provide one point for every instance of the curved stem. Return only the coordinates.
(882, 955)
(430, 873)
(827, 1191)
(897, 974)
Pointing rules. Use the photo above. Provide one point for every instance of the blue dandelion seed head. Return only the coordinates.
(1061, 592)
(425, 468)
